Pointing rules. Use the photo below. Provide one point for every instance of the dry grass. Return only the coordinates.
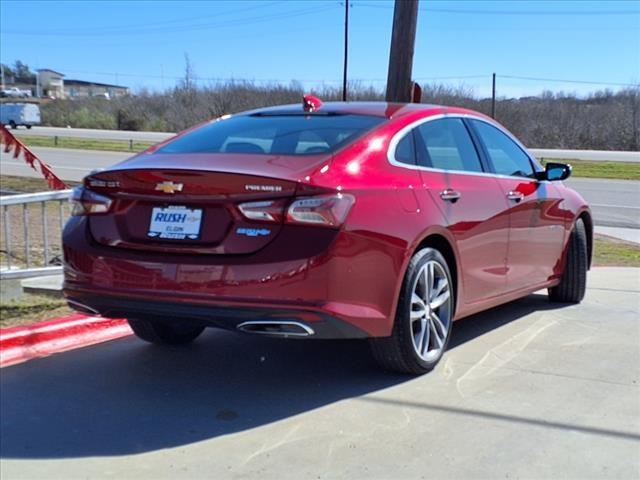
(14, 252)
(30, 219)
(31, 309)
(12, 183)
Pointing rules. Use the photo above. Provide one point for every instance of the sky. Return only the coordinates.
(142, 44)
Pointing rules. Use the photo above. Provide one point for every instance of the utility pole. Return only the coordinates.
(405, 18)
(346, 50)
(493, 97)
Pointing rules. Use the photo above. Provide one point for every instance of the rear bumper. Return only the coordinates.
(349, 290)
(316, 323)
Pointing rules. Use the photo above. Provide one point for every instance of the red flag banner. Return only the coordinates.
(11, 143)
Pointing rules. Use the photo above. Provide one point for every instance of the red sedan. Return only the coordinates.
(337, 220)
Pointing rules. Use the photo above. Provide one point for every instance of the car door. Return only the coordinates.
(536, 227)
(471, 201)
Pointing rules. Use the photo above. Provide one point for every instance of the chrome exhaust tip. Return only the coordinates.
(81, 307)
(276, 328)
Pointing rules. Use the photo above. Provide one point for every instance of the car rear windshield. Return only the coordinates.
(274, 134)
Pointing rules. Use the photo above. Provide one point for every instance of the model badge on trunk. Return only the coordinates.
(263, 188)
(169, 187)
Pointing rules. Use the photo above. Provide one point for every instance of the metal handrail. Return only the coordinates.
(7, 201)
(34, 197)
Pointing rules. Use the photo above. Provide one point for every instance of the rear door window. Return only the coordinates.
(446, 144)
(281, 134)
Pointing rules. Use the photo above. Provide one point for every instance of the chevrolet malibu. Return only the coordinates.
(380, 221)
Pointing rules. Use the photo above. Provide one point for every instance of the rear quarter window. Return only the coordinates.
(274, 134)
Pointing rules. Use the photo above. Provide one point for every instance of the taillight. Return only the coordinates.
(87, 202)
(323, 210)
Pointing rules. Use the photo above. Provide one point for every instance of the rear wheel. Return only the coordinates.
(573, 283)
(13, 125)
(28, 127)
(422, 326)
(164, 333)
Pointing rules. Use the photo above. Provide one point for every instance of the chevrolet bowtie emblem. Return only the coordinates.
(169, 187)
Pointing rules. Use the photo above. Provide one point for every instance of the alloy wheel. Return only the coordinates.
(430, 314)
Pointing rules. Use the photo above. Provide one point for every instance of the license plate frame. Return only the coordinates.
(175, 222)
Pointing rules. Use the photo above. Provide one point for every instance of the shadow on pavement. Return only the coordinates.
(128, 397)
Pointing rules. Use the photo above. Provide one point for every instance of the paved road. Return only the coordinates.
(69, 164)
(527, 390)
(615, 203)
(159, 136)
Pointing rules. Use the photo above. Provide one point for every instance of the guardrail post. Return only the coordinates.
(61, 210)
(25, 220)
(7, 234)
(131, 145)
(45, 233)
(55, 141)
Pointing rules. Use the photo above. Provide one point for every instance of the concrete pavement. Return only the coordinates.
(530, 389)
(626, 234)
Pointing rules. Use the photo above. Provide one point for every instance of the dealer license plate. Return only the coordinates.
(175, 223)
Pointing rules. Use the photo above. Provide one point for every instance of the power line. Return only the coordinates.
(338, 81)
(182, 28)
(585, 82)
(200, 18)
(510, 12)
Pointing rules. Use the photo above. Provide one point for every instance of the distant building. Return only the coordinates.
(51, 83)
(84, 89)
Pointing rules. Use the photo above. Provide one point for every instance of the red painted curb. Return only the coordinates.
(19, 344)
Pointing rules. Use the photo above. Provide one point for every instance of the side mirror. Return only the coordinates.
(555, 171)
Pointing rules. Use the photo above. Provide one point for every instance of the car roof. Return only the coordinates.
(377, 109)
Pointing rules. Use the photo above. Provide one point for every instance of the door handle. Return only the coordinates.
(450, 195)
(515, 196)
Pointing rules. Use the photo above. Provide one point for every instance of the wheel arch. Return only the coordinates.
(587, 220)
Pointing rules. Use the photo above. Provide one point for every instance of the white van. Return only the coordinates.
(16, 114)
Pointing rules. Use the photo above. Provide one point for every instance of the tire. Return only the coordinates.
(573, 283)
(13, 125)
(163, 333)
(28, 127)
(404, 351)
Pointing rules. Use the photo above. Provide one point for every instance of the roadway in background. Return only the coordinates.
(615, 203)
(160, 136)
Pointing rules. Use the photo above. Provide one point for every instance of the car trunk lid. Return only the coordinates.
(193, 208)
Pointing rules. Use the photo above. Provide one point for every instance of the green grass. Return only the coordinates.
(26, 184)
(613, 252)
(85, 143)
(603, 169)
